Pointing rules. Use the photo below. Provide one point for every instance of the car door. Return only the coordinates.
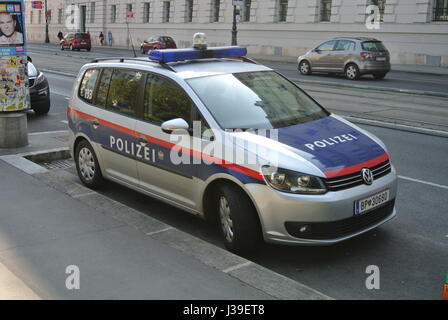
(163, 170)
(344, 51)
(321, 56)
(118, 94)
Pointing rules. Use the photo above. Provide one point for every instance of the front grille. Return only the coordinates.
(341, 228)
(31, 82)
(355, 179)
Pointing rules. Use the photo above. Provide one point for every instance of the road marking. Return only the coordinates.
(64, 121)
(424, 182)
(238, 266)
(83, 195)
(159, 231)
(47, 132)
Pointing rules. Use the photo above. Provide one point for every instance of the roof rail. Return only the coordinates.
(123, 59)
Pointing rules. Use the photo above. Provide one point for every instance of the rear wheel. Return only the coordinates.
(304, 67)
(62, 47)
(237, 219)
(352, 72)
(87, 165)
(379, 76)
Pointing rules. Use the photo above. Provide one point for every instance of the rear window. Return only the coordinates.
(82, 36)
(373, 46)
(87, 87)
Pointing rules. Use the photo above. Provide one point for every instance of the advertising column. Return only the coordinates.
(14, 95)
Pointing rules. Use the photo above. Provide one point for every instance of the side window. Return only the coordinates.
(327, 46)
(103, 88)
(345, 45)
(87, 87)
(165, 100)
(123, 91)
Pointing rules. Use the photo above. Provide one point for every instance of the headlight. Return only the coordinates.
(40, 78)
(294, 182)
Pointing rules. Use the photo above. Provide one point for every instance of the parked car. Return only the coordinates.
(76, 41)
(39, 90)
(157, 42)
(353, 57)
(316, 180)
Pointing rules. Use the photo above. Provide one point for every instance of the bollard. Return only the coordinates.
(13, 130)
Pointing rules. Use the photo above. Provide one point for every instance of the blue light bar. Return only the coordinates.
(173, 55)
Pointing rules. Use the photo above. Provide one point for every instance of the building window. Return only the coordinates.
(215, 10)
(325, 10)
(39, 17)
(31, 17)
(146, 12)
(166, 11)
(440, 10)
(246, 11)
(129, 7)
(59, 16)
(282, 10)
(113, 13)
(189, 11)
(92, 12)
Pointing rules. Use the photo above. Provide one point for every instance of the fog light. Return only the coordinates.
(304, 229)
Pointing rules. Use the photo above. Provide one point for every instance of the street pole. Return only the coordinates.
(234, 30)
(47, 37)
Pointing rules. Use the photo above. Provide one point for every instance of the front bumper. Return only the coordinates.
(278, 210)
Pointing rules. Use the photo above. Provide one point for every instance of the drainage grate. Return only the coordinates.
(58, 164)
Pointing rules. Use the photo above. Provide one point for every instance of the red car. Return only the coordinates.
(157, 42)
(76, 41)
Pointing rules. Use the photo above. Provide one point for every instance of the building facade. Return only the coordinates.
(415, 31)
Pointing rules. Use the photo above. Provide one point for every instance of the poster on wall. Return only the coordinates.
(13, 59)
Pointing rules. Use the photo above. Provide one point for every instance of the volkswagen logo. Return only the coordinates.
(367, 176)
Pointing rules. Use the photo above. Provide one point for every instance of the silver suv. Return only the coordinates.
(350, 56)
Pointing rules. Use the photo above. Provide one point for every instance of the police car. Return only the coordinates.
(224, 138)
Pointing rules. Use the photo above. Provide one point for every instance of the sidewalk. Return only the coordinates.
(48, 222)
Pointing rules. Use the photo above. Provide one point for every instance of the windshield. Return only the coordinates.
(373, 46)
(255, 100)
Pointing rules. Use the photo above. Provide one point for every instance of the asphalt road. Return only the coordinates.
(411, 250)
(394, 79)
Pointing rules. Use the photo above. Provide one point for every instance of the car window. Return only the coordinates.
(87, 87)
(345, 45)
(373, 46)
(327, 46)
(103, 88)
(166, 39)
(165, 100)
(123, 91)
(255, 100)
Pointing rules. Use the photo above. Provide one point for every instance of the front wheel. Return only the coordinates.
(352, 72)
(42, 109)
(238, 220)
(87, 165)
(305, 68)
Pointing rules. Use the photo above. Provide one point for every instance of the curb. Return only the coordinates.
(396, 126)
(273, 284)
(384, 89)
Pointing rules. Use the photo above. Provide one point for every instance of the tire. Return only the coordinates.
(352, 72)
(88, 49)
(62, 47)
(305, 67)
(42, 109)
(237, 219)
(379, 76)
(87, 165)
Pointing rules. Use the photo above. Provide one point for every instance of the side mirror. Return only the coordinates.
(29, 59)
(316, 50)
(175, 124)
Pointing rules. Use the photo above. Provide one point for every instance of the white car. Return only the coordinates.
(221, 137)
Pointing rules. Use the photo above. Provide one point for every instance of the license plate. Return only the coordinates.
(380, 58)
(372, 202)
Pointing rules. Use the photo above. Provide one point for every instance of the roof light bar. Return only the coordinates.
(173, 55)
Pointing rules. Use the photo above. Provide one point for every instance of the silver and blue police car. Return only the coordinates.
(224, 138)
